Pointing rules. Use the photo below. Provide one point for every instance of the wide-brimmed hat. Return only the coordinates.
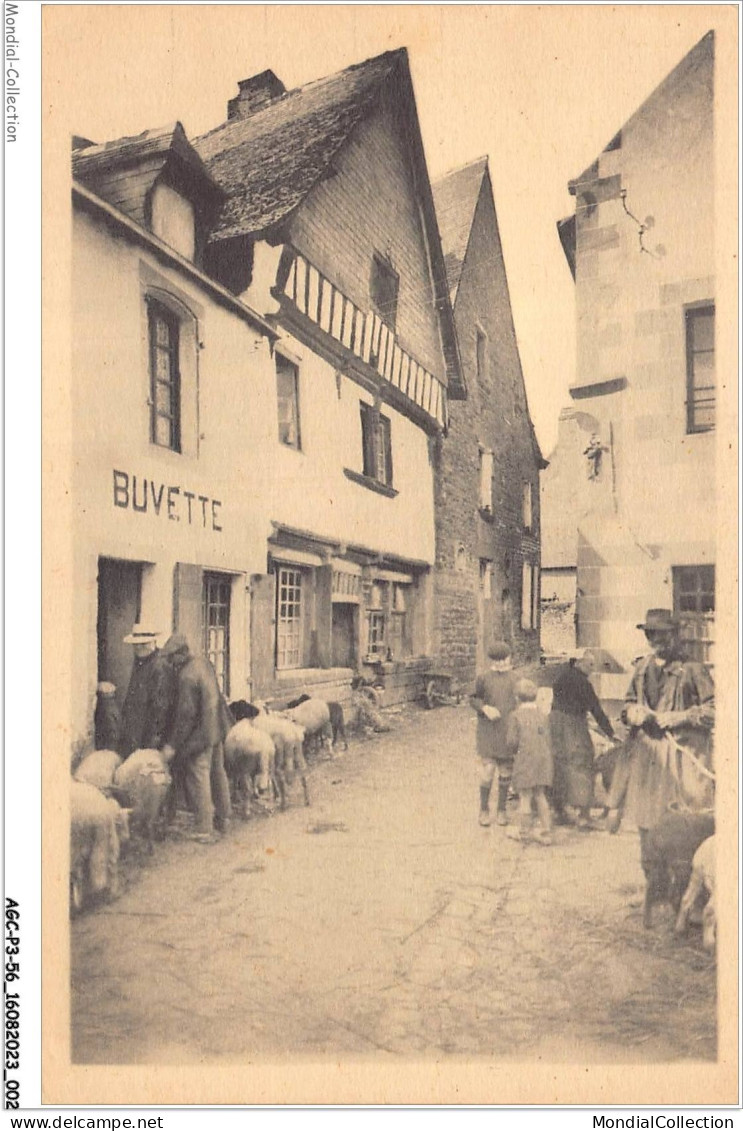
(141, 634)
(659, 620)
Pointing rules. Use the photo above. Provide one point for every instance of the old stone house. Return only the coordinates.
(641, 247)
(487, 483)
(168, 368)
(329, 231)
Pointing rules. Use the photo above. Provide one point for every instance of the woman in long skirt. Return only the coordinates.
(573, 699)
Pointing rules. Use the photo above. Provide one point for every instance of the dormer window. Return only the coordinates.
(173, 220)
(384, 285)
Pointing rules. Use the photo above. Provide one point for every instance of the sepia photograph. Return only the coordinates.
(389, 536)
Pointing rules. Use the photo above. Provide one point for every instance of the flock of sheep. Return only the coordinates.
(111, 799)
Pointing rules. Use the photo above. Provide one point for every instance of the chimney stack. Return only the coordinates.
(255, 93)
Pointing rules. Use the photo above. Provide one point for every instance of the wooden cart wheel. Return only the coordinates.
(431, 695)
(371, 694)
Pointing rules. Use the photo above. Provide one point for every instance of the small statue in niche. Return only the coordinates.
(594, 454)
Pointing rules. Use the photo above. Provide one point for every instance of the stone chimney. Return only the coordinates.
(255, 93)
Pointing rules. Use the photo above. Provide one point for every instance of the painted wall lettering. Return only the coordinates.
(139, 494)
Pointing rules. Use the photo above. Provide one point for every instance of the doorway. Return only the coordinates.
(119, 607)
(344, 635)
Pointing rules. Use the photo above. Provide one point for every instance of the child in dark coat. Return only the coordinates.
(493, 700)
(107, 721)
(527, 738)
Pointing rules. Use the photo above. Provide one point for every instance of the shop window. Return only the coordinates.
(529, 597)
(527, 506)
(289, 615)
(376, 441)
(694, 604)
(384, 285)
(377, 637)
(287, 391)
(165, 377)
(700, 369)
(216, 626)
(486, 481)
(398, 626)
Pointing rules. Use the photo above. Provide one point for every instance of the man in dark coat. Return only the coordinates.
(198, 727)
(669, 707)
(145, 715)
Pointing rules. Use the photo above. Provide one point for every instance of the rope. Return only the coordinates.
(699, 765)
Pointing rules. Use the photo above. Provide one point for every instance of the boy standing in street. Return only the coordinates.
(493, 701)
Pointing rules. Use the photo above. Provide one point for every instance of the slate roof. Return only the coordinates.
(268, 162)
(124, 171)
(455, 197)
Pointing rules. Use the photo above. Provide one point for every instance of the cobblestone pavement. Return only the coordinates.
(384, 922)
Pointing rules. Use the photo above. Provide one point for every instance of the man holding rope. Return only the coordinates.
(669, 707)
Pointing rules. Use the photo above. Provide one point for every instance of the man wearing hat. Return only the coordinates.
(669, 708)
(494, 699)
(198, 726)
(150, 697)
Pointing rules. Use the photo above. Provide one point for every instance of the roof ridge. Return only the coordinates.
(484, 161)
(395, 54)
(168, 129)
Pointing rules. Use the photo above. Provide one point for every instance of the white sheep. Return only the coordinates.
(702, 879)
(250, 762)
(145, 782)
(98, 826)
(98, 768)
(314, 716)
(288, 738)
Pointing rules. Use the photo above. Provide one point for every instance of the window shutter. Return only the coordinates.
(527, 507)
(187, 604)
(526, 590)
(385, 437)
(534, 596)
(262, 632)
(367, 439)
(486, 480)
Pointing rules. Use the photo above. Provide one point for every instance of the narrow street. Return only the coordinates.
(384, 922)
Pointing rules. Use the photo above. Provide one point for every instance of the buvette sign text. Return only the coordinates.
(166, 500)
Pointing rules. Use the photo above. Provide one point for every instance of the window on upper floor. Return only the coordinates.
(165, 376)
(700, 368)
(527, 506)
(287, 392)
(481, 353)
(376, 440)
(486, 480)
(694, 605)
(384, 284)
(486, 579)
